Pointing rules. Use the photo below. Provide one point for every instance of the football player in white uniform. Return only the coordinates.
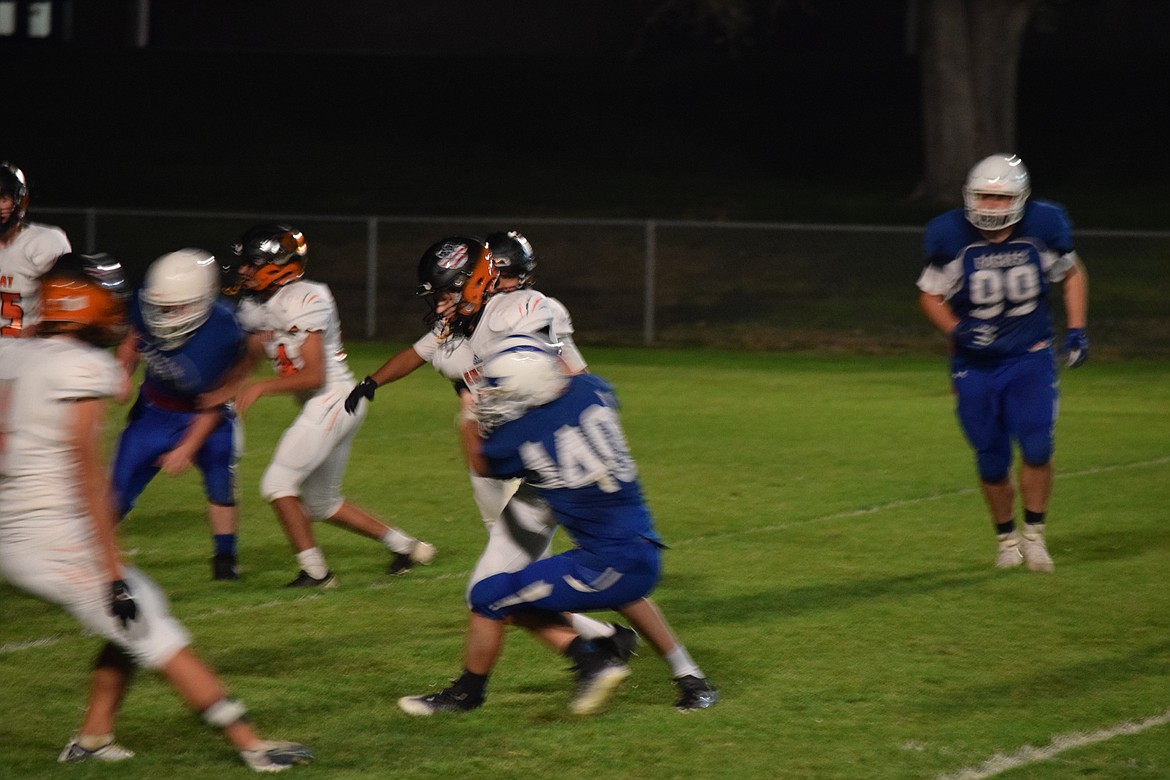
(472, 318)
(459, 272)
(27, 250)
(57, 537)
(296, 322)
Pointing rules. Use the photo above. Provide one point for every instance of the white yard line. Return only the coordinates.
(999, 763)
(16, 647)
(904, 502)
(13, 647)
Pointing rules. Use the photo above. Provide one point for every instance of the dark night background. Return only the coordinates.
(572, 109)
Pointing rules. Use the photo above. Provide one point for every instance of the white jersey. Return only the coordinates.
(48, 544)
(504, 315)
(563, 331)
(452, 356)
(22, 263)
(39, 378)
(285, 321)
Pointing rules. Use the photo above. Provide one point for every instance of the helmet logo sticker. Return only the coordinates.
(452, 256)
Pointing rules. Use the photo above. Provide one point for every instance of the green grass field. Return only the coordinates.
(831, 570)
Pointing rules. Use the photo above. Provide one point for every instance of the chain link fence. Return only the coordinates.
(661, 282)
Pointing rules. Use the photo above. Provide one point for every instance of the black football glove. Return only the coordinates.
(122, 604)
(363, 389)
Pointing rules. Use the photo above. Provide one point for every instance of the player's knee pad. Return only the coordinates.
(279, 482)
(321, 507)
(220, 489)
(1036, 448)
(484, 596)
(994, 465)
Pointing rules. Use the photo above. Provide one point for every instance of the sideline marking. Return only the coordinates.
(1000, 763)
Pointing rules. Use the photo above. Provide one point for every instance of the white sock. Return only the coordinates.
(94, 741)
(681, 663)
(590, 628)
(312, 561)
(398, 542)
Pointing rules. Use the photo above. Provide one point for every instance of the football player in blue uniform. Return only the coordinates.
(989, 267)
(190, 342)
(559, 431)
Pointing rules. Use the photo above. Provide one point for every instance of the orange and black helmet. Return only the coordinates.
(85, 295)
(462, 265)
(277, 254)
(13, 184)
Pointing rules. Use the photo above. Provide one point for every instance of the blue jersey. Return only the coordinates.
(1005, 284)
(166, 406)
(175, 378)
(573, 452)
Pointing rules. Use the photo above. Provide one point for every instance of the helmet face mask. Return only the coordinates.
(15, 188)
(177, 295)
(523, 376)
(462, 267)
(271, 256)
(84, 295)
(514, 257)
(1003, 176)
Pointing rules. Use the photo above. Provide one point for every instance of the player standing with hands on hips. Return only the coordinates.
(988, 270)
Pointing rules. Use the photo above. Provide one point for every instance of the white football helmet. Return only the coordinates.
(177, 295)
(999, 174)
(527, 374)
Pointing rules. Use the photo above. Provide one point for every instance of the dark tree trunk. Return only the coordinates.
(970, 54)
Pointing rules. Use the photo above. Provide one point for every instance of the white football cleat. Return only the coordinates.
(1035, 550)
(111, 751)
(276, 756)
(1009, 555)
(420, 553)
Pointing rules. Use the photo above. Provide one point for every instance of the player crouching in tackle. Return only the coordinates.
(562, 433)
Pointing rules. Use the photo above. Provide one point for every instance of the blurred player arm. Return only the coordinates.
(1076, 296)
(938, 311)
(1076, 309)
(469, 437)
(88, 415)
(178, 459)
(397, 367)
(127, 356)
(392, 370)
(127, 352)
(237, 375)
(310, 376)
